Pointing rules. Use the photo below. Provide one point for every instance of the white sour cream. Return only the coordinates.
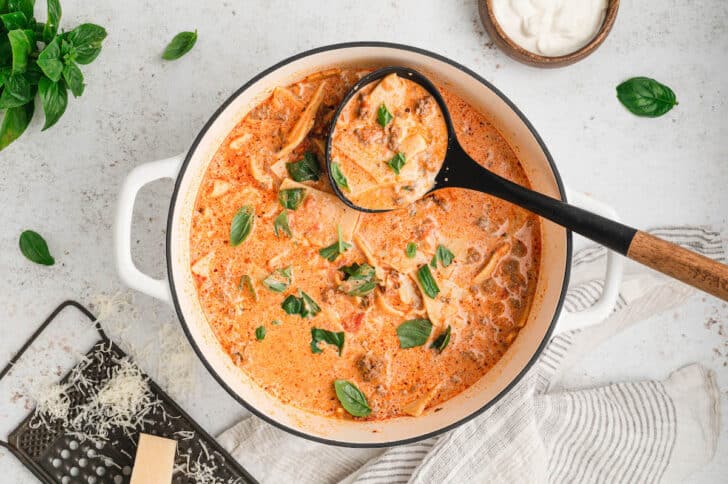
(550, 27)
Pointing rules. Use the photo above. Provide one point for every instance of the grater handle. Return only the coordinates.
(128, 271)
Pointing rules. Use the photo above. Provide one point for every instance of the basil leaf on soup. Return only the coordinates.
(414, 332)
(260, 333)
(427, 282)
(411, 250)
(291, 198)
(34, 248)
(242, 225)
(442, 340)
(278, 280)
(333, 251)
(247, 282)
(397, 162)
(306, 169)
(646, 97)
(309, 308)
(180, 45)
(339, 177)
(322, 335)
(359, 280)
(292, 305)
(442, 254)
(280, 224)
(54, 98)
(384, 116)
(351, 398)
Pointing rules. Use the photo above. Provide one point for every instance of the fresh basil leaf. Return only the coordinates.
(20, 44)
(359, 280)
(278, 280)
(34, 248)
(180, 45)
(260, 333)
(292, 305)
(17, 92)
(351, 398)
(309, 308)
(54, 99)
(397, 162)
(14, 123)
(6, 53)
(383, 115)
(332, 252)
(306, 169)
(242, 225)
(442, 341)
(291, 198)
(85, 42)
(322, 335)
(247, 282)
(411, 250)
(50, 62)
(74, 78)
(14, 20)
(25, 6)
(444, 255)
(339, 177)
(427, 282)
(646, 97)
(414, 332)
(280, 224)
(54, 18)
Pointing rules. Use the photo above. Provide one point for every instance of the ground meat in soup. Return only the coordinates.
(483, 253)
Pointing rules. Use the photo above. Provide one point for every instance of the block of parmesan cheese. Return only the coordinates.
(154, 462)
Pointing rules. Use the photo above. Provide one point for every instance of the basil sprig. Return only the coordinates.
(414, 332)
(646, 97)
(291, 198)
(180, 45)
(339, 177)
(37, 60)
(280, 224)
(306, 169)
(427, 282)
(397, 162)
(242, 225)
(330, 337)
(384, 116)
(442, 254)
(351, 398)
(34, 247)
(278, 280)
(303, 305)
(333, 251)
(442, 340)
(359, 280)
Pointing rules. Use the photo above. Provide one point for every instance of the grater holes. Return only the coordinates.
(65, 480)
(118, 479)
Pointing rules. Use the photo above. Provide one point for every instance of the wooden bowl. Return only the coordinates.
(499, 37)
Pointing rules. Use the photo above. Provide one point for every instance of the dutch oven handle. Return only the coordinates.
(128, 271)
(603, 307)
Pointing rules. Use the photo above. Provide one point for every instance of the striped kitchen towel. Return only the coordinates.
(646, 431)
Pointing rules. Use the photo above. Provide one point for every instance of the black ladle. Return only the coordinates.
(459, 170)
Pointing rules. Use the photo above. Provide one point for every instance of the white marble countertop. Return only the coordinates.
(64, 182)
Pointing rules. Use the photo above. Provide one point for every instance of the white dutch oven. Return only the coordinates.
(179, 288)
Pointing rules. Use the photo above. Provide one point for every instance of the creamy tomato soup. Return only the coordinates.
(403, 309)
(389, 144)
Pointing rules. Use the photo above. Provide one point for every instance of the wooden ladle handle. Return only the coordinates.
(682, 264)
